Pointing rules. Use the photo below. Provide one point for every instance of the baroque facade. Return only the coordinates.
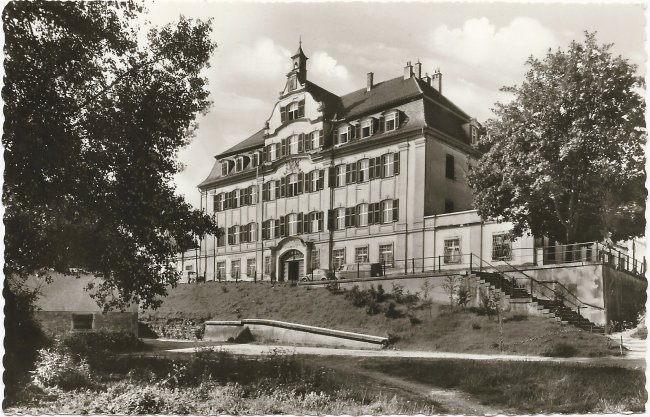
(331, 180)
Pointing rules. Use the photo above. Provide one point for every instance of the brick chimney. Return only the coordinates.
(436, 80)
(418, 70)
(408, 70)
(369, 84)
(426, 78)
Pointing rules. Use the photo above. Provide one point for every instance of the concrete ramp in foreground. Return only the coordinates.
(287, 333)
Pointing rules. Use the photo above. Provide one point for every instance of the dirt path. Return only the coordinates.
(453, 401)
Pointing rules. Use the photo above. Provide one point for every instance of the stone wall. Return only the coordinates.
(625, 296)
(57, 323)
(172, 328)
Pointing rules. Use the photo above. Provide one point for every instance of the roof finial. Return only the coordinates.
(300, 41)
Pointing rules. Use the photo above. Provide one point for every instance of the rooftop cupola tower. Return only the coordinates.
(299, 65)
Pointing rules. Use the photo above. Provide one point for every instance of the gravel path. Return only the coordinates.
(256, 350)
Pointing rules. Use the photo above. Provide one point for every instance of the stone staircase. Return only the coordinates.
(548, 308)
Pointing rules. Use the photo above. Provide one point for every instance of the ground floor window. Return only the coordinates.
(338, 258)
(386, 255)
(250, 267)
(221, 270)
(501, 247)
(315, 259)
(235, 269)
(452, 251)
(267, 265)
(361, 254)
(82, 321)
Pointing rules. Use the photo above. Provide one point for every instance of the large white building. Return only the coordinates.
(329, 180)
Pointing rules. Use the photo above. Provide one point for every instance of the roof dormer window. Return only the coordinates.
(391, 121)
(474, 133)
(225, 168)
(343, 135)
(367, 128)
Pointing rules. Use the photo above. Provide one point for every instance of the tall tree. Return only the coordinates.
(94, 118)
(565, 158)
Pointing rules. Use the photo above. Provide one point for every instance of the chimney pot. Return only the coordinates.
(408, 70)
(369, 83)
(418, 69)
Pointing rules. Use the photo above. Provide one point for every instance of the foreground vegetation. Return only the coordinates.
(82, 376)
(529, 387)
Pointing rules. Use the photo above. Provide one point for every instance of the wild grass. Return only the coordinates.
(530, 387)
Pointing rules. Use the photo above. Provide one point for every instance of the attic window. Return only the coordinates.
(366, 128)
(474, 134)
(82, 321)
(224, 168)
(344, 134)
(292, 82)
(292, 111)
(392, 121)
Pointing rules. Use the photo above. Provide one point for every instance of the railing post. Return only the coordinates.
(413, 266)
(383, 264)
(440, 269)
(578, 315)
(312, 274)
(531, 287)
(406, 266)
(357, 268)
(470, 262)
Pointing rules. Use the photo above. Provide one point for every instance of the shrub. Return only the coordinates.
(101, 342)
(462, 296)
(476, 326)
(562, 350)
(56, 367)
(516, 317)
(381, 294)
(392, 312)
(414, 320)
(373, 307)
(392, 339)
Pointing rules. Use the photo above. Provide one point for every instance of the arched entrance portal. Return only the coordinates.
(292, 263)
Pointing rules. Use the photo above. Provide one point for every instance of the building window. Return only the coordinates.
(386, 255)
(315, 259)
(82, 321)
(252, 230)
(314, 177)
(224, 168)
(449, 206)
(221, 270)
(338, 259)
(267, 265)
(239, 164)
(363, 168)
(292, 111)
(366, 128)
(387, 211)
(292, 185)
(361, 254)
(235, 235)
(293, 145)
(449, 167)
(253, 194)
(501, 247)
(388, 164)
(250, 267)
(344, 134)
(362, 215)
(189, 267)
(391, 121)
(293, 224)
(236, 195)
(452, 251)
(273, 152)
(474, 134)
(218, 202)
(292, 82)
(314, 222)
(272, 188)
(235, 269)
(314, 138)
(340, 175)
(340, 219)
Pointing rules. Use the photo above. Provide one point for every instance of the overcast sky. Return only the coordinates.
(478, 47)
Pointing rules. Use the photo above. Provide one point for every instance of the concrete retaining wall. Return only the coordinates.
(57, 323)
(291, 333)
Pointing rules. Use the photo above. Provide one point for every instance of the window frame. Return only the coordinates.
(236, 235)
(366, 124)
(314, 262)
(235, 268)
(360, 170)
(272, 195)
(314, 139)
(357, 254)
(221, 265)
(339, 220)
(248, 267)
(267, 265)
(452, 253)
(505, 246)
(292, 145)
(293, 186)
(293, 113)
(273, 152)
(224, 166)
(292, 223)
(388, 164)
(360, 213)
(387, 213)
(336, 258)
(313, 220)
(340, 134)
(391, 117)
(339, 174)
(382, 252)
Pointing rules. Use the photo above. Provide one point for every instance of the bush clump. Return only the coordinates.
(59, 368)
(101, 342)
(562, 350)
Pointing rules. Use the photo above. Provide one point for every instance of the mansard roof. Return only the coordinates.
(254, 141)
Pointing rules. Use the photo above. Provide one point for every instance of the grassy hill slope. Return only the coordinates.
(419, 327)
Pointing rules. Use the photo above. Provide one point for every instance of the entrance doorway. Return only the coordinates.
(291, 264)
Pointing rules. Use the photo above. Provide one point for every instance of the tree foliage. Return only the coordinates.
(565, 158)
(94, 118)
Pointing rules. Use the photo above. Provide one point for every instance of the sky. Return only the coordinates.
(478, 47)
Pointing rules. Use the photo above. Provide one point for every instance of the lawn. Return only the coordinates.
(416, 326)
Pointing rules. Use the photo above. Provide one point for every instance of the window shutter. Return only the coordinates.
(351, 132)
(371, 168)
(353, 172)
(347, 216)
(301, 142)
(265, 191)
(282, 227)
(308, 142)
(283, 148)
(321, 179)
(214, 203)
(336, 137)
(283, 114)
(331, 180)
(371, 213)
(300, 221)
(395, 210)
(398, 118)
(277, 189)
(374, 126)
(320, 221)
(381, 124)
(377, 211)
(330, 219)
(276, 227)
(348, 171)
(283, 187)
(308, 178)
(301, 182)
(378, 167)
(265, 229)
(396, 163)
(230, 235)
(357, 131)
(353, 216)
(383, 165)
(249, 232)
(320, 138)
(301, 108)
